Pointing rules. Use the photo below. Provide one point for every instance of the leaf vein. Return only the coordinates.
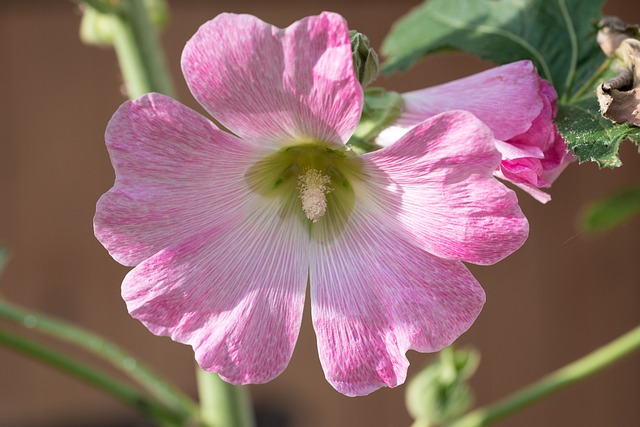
(573, 39)
(486, 29)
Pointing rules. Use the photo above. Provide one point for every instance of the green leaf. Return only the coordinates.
(591, 136)
(557, 35)
(439, 393)
(612, 211)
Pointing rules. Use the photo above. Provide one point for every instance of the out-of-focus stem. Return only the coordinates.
(563, 377)
(223, 404)
(139, 54)
(98, 379)
(102, 348)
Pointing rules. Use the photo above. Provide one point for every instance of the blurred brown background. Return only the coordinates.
(562, 295)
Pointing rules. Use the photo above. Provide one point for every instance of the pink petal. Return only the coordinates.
(269, 84)
(557, 158)
(440, 187)
(374, 296)
(506, 98)
(176, 174)
(533, 191)
(235, 293)
(516, 151)
(542, 131)
(524, 170)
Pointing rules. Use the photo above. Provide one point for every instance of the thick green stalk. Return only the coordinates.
(576, 371)
(97, 379)
(140, 57)
(159, 389)
(222, 404)
(144, 70)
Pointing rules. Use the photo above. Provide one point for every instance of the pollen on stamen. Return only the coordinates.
(314, 187)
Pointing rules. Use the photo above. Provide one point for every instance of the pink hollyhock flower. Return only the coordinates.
(516, 104)
(226, 230)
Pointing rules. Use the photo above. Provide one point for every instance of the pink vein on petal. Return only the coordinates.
(176, 173)
(506, 98)
(374, 296)
(271, 84)
(439, 185)
(235, 293)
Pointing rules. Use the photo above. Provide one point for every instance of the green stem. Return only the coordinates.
(159, 389)
(97, 379)
(144, 70)
(588, 86)
(576, 371)
(222, 404)
(574, 49)
(136, 43)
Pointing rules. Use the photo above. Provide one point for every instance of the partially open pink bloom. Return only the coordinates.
(516, 104)
(225, 231)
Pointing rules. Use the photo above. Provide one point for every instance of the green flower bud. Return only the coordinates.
(365, 59)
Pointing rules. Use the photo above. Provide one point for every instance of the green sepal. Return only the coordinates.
(381, 108)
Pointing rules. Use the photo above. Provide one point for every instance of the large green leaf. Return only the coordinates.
(591, 136)
(557, 35)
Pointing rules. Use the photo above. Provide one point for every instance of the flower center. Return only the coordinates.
(314, 187)
(313, 181)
